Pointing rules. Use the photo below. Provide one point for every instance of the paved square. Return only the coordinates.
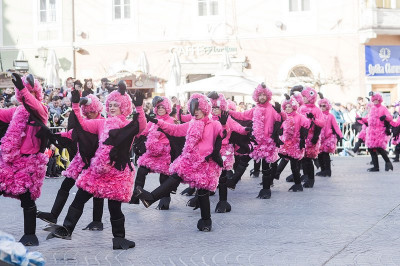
(351, 218)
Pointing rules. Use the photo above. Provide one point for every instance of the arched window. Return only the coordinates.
(300, 72)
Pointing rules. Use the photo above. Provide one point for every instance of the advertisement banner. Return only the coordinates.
(382, 60)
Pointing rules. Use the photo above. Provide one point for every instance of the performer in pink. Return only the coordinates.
(157, 157)
(378, 132)
(294, 134)
(193, 166)
(266, 124)
(110, 174)
(313, 142)
(91, 110)
(22, 161)
(330, 135)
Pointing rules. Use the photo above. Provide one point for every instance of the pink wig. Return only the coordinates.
(231, 105)
(37, 89)
(292, 101)
(166, 103)
(125, 102)
(220, 102)
(204, 103)
(310, 94)
(376, 96)
(326, 102)
(262, 89)
(94, 106)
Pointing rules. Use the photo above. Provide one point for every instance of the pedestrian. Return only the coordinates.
(87, 87)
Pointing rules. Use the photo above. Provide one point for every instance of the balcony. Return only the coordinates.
(380, 20)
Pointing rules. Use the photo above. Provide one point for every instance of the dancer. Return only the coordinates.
(110, 174)
(157, 157)
(22, 160)
(294, 134)
(193, 166)
(266, 124)
(313, 142)
(378, 132)
(91, 110)
(219, 107)
(330, 135)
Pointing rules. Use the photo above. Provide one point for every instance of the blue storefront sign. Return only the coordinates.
(382, 60)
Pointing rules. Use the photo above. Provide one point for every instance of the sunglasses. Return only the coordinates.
(322, 105)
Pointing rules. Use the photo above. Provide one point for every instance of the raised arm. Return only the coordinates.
(34, 104)
(141, 119)
(177, 130)
(246, 115)
(91, 125)
(236, 127)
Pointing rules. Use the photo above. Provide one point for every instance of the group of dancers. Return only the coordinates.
(209, 148)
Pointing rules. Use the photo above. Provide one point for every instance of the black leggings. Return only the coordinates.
(82, 197)
(26, 200)
(269, 172)
(67, 184)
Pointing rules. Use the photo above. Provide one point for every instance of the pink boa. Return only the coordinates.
(291, 142)
(376, 137)
(191, 166)
(228, 156)
(19, 174)
(101, 179)
(75, 167)
(265, 148)
(157, 157)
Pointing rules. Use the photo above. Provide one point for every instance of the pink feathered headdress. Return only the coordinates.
(262, 89)
(376, 96)
(310, 94)
(231, 105)
(166, 103)
(204, 103)
(125, 102)
(94, 106)
(219, 102)
(37, 88)
(299, 98)
(291, 101)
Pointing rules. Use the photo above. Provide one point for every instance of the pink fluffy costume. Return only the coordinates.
(266, 124)
(378, 132)
(157, 157)
(22, 161)
(193, 166)
(294, 133)
(220, 105)
(110, 174)
(313, 141)
(93, 107)
(330, 135)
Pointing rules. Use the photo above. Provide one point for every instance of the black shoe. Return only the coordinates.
(122, 243)
(223, 206)
(264, 194)
(164, 203)
(304, 178)
(189, 191)
(373, 169)
(29, 240)
(94, 226)
(204, 225)
(296, 187)
(48, 217)
(194, 203)
(145, 197)
(58, 231)
(320, 173)
(309, 183)
(388, 166)
(290, 178)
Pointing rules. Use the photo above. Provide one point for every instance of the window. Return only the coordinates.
(47, 11)
(387, 3)
(300, 71)
(299, 5)
(207, 8)
(121, 9)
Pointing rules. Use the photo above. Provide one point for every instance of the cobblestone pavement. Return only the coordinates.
(351, 218)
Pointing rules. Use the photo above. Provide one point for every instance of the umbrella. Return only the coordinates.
(143, 64)
(52, 67)
(21, 55)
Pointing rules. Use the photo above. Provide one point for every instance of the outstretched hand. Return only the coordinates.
(223, 118)
(137, 98)
(75, 96)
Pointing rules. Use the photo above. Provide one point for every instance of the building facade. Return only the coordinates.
(318, 43)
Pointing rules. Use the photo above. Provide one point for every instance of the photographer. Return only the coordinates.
(102, 90)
